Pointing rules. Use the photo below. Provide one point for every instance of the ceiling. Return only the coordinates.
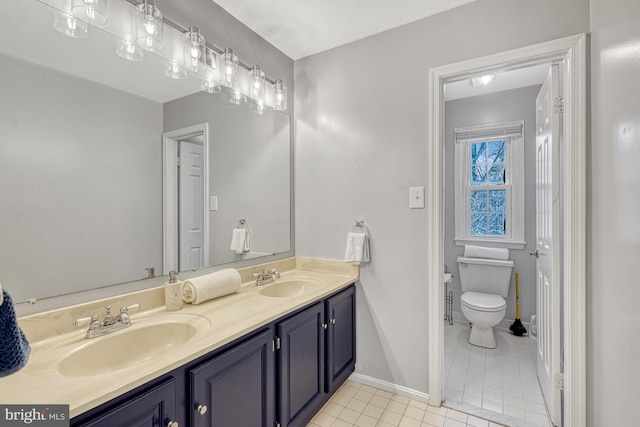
(301, 28)
(506, 80)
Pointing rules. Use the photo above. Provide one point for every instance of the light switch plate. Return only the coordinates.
(213, 203)
(416, 198)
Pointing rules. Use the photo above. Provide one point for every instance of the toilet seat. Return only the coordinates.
(483, 302)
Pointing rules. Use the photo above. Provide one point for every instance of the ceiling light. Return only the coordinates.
(483, 80)
(194, 50)
(279, 96)
(129, 51)
(92, 11)
(69, 25)
(149, 26)
(175, 71)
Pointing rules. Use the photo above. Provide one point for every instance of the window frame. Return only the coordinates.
(513, 134)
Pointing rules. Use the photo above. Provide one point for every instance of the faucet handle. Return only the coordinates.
(84, 321)
(274, 272)
(132, 307)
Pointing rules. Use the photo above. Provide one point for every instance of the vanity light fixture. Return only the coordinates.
(279, 95)
(70, 26)
(257, 83)
(91, 11)
(174, 71)
(194, 50)
(259, 106)
(210, 86)
(482, 80)
(236, 97)
(149, 26)
(229, 68)
(129, 51)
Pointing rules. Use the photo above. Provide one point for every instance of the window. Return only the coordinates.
(489, 202)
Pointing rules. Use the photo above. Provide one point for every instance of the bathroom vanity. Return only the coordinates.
(265, 356)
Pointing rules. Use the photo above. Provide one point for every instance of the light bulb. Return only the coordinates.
(151, 28)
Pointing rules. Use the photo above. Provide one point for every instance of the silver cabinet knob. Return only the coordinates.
(173, 424)
(333, 321)
(202, 409)
(324, 326)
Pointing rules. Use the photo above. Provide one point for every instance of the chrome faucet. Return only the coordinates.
(109, 323)
(265, 276)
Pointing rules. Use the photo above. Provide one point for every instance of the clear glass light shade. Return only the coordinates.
(175, 71)
(259, 106)
(236, 97)
(256, 83)
(229, 68)
(91, 11)
(149, 27)
(279, 96)
(195, 54)
(69, 25)
(129, 51)
(210, 86)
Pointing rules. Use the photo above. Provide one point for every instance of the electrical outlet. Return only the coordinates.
(416, 198)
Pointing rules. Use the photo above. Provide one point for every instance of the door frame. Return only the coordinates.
(572, 50)
(170, 199)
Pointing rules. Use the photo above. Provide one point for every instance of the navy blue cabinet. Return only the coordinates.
(279, 375)
(341, 343)
(236, 388)
(153, 408)
(301, 365)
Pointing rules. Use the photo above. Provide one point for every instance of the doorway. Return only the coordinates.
(570, 51)
(186, 240)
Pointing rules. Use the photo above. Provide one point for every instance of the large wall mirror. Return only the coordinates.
(82, 156)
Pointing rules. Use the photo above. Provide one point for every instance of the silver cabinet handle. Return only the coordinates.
(173, 424)
(202, 409)
(333, 321)
(325, 326)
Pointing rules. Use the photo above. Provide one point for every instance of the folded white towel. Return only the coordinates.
(240, 240)
(471, 251)
(357, 247)
(210, 286)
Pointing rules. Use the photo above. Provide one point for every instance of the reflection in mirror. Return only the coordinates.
(81, 161)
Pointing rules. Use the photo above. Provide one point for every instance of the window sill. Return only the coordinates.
(509, 244)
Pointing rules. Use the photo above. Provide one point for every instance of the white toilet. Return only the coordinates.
(485, 285)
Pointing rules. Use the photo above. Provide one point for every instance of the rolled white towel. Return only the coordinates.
(357, 247)
(471, 251)
(210, 286)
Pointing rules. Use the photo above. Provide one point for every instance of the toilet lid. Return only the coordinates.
(483, 302)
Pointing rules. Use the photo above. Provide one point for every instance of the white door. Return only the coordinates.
(548, 123)
(191, 201)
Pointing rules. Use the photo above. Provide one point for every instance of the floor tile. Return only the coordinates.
(418, 404)
(365, 396)
(391, 417)
(379, 400)
(409, 422)
(340, 399)
(373, 411)
(384, 394)
(349, 415)
(323, 420)
(453, 423)
(401, 399)
(368, 388)
(456, 415)
(340, 423)
(332, 409)
(398, 407)
(414, 412)
(440, 410)
(356, 405)
(366, 421)
(476, 422)
(433, 419)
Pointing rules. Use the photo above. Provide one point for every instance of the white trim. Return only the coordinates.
(495, 243)
(170, 194)
(390, 387)
(573, 51)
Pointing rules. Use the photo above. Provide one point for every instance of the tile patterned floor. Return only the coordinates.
(502, 380)
(360, 405)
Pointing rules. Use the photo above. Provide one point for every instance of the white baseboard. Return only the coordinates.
(390, 387)
(504, 325)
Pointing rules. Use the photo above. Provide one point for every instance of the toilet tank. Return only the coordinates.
(490, 276)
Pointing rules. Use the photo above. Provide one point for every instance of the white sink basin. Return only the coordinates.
(284, 288)
(144, 340)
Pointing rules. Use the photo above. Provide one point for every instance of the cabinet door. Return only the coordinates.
(154, 408)
(302, 366)
(236, 388)
(341, 348)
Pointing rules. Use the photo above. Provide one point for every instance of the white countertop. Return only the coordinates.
(52, 336)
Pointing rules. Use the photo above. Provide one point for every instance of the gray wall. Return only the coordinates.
(361, 122)
(80, 167)
(249, 164)
(613, 227)
(507, 106)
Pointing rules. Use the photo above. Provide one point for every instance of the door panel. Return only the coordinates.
(191, 212)
(341, 349)
(547, 240)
